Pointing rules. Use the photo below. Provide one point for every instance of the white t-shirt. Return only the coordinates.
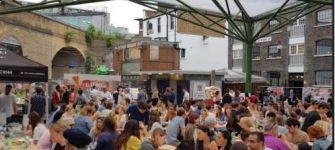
(186, 96)
(39, 130)
(107, 95)
(154, 126)
(6, 104)
(95, 94)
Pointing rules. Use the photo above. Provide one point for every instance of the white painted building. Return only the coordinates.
(197, 52)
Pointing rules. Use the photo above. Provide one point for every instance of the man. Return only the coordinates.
(76, 140)
(294, 134)
(66, 95)
(117, 95)
(142, 96)
(176, 127)
(292, 99)
(139, 112)
(315, 115)
(256, 141)
(38, 102)
(186, 96)
(270, 136)
(8, 103)
(95, 94)
(56, 98)
(106, 94)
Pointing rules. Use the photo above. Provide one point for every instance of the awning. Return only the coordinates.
(232, 76)
(16, 68)
(188, 72)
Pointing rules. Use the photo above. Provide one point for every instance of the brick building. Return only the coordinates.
(298, 55)
(132, 57)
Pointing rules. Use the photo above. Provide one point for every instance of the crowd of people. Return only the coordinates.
(104, 120)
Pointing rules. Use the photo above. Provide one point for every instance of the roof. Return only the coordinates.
(194, 72)
(252, 7)
(232, 76)
(9, 58)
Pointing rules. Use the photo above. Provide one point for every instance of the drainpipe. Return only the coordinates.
(167, 27)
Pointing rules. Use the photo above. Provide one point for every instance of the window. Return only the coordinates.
(300, 21)
(273, 23)
(237, 53)
(274, 51)
(154, 52)
(324, 47)
(12, 44)
(182, 53)
(171, 22)
(324, 17)
(323, 77)
(159, 25)
(273, 77)
(297, 49)
(149, 28)
(256, 53)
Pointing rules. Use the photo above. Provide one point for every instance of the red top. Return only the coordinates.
(56, 98)
(253, 99)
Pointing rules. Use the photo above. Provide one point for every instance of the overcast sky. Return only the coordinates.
(124, 12)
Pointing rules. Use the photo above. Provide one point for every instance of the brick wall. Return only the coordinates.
(168, 59)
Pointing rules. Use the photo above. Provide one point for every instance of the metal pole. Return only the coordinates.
(248, 59)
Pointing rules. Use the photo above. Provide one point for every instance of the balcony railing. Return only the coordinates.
(297, 31)
(296, 60)
(237, 62)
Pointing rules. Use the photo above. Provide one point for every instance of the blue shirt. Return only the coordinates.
(106, 141)
(83, 123)
(173, 129)
(321, 144)
(38, 104)
(135, 114)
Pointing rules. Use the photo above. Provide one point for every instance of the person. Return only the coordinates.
(83, 122)
(142, 96)
(236, 98)
(81, 99)
(294, 134)
(219, 115)
(76, 140)
(154, 121)
(315, 115)
(95, 132)
(226, 99)
(317, 135)
(139, 112)
(292, 99)
(247, 124)
(186, 145)
(217, 98)
(106, 94)
(223, 140)
(38, 102)
(56, 98)
(8, 103)
(193, 121)
(95, 94)
(107, 139)
(72, 96)
(117, 95)
(176, 127)
(66, 95)
(239, 146)
(256, 141)
(270, 136)
(37, 127)
(155, 97)
(171, 112)
(186, 96)
(168, 97)
(129, 139)
(157, 139)
(203, 139)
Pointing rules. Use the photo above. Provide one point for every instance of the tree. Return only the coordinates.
(90, 34)
(112, 38)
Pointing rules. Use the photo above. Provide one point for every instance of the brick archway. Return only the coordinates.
(67, 60)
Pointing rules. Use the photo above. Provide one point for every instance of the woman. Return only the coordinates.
(95, 132)
(80, 99)
(203, 115)
(317, 135)
(155, 97)
(37, 127)
(157, 140)
(129, 139)
(154, 121)
(219, 114)
(193, 121)
(203, 139)
(107, 138)
(223, 140)
(217, 98)
(72, 97)
(247, 124)
(237, 98)
(119, 117)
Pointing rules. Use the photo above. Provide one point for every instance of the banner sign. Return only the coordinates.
(199, 89)
(318, 93)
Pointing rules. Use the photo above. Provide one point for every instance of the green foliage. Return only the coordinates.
(112, 38)
(88, 63)
(90, 34)
(69, 36)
